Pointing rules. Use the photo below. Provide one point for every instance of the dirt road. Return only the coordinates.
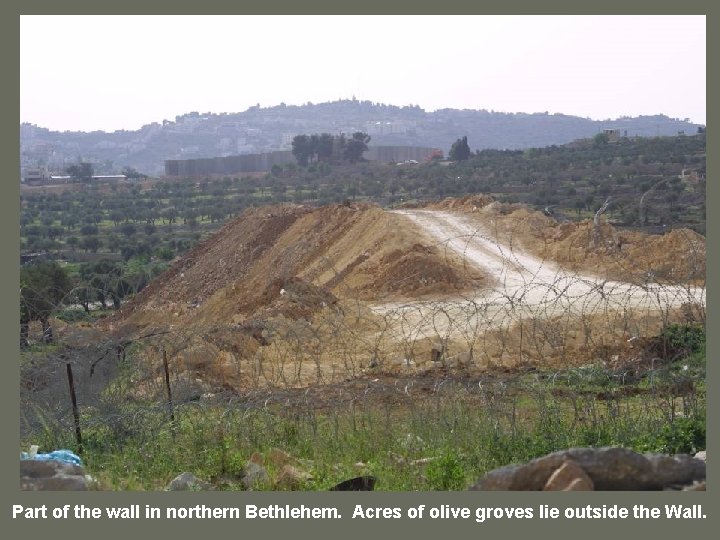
(525, 286)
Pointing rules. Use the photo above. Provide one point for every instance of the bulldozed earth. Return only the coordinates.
(296, 296)
(674, 258)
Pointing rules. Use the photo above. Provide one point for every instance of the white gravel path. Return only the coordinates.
(524, 285)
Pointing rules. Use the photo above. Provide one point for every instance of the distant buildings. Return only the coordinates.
(614, 135)
(389, 128)
(37, 175)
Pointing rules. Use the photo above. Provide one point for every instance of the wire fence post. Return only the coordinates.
(76, 414)
(169, 392)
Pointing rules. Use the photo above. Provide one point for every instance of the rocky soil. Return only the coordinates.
(355, 285)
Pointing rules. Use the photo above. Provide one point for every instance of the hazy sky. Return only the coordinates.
(120, 72)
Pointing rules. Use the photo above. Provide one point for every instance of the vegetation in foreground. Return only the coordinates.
(439, 434)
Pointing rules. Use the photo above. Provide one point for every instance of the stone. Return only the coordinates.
(579, 484)
(93, 484)
(569, 477)
(257, 458)
(461, 359)
(278, 458)
(675, 471)
(254, 476)
(43, 469)
(610, 469)
(436, 351)
(701, 455)
(423, 461)
(51, 475)
(291, 477)
(188, 482)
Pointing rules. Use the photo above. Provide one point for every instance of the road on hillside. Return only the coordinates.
(522, 284)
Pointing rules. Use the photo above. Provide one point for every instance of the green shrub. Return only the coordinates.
(446, 473)
(73, 315)
(683, 436)
(684, 339)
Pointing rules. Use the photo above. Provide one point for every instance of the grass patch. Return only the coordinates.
(440, 439)
(445, 442)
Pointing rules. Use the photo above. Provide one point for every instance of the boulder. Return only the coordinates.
(675, 471)
(279, 458)
(291, 477)
(254, 476)
(569, 477)
(51, 475)
(188, 482)
(609, 469)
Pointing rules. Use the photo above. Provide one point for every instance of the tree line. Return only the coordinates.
(328, 148)
(139, 228)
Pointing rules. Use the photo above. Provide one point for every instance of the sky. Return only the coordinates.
(117, 72)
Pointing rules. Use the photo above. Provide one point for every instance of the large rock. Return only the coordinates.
(675, 471)
(51, 475)
(257, 458)
(279, 458)
(569, 477)
(254, 476)
(188, 482)
(292, 478)
(610, 469)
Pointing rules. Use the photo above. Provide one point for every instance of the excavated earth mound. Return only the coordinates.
(291, 294)
(293, 261)
(677, 257)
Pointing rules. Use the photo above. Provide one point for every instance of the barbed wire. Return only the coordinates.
(535, 317)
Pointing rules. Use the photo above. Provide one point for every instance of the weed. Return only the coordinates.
(684, 339)
(447, 473)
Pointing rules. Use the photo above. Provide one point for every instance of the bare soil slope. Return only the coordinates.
(557, 295)
(280, 295)
(677, 257)
(294, 260)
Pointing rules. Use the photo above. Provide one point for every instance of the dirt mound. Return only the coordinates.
(295, 298)
(468, 202)
(279, 296)
(417, 271)
(677, 257)
(291, 261)
(215, 263)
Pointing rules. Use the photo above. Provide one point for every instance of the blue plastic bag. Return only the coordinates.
(65, 456)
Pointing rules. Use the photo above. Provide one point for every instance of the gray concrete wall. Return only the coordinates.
(264, 162)
(395, 154)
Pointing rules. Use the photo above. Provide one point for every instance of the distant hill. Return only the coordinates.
(257, 129)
